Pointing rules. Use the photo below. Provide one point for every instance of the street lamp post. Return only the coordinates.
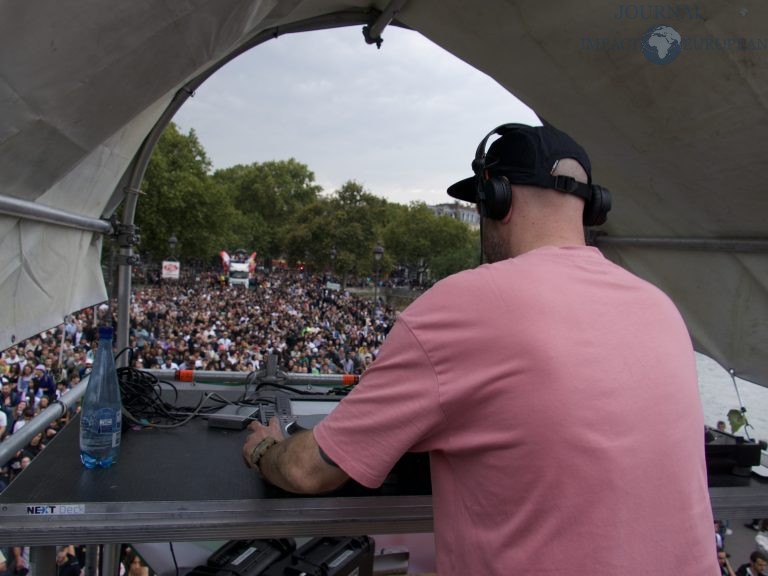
(422, 272)
(172, 242)
(332, 254)
(378, 252)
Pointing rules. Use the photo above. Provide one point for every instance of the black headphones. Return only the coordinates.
(494, 194)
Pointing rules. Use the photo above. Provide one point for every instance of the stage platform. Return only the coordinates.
(190, 484)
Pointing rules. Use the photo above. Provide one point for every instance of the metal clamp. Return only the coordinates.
(127, 235)
(128, 259)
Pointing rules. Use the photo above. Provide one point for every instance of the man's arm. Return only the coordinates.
(294, 464)
(18, 558)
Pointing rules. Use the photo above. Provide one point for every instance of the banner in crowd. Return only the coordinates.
(171, 269)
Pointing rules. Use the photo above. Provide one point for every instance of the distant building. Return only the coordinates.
(465, 213)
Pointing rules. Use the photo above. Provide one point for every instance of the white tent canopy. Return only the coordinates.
(86, 86)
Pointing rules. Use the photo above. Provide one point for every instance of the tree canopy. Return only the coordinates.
(278, 210)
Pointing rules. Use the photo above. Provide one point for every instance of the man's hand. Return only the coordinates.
(293, 464)
(259, 432)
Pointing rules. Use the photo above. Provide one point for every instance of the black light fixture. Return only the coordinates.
(378, 252)
(172, 242)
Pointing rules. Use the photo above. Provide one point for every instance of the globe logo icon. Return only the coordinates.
(661, 44)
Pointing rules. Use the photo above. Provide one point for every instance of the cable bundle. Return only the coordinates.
(145, 404)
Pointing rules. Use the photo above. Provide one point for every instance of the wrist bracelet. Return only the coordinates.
(259, 450)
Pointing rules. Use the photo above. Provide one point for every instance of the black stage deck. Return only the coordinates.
(190, 483)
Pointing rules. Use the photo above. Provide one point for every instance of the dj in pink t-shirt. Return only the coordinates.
(557, 395)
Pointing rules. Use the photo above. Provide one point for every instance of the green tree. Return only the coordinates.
(181, 199)
(416, 237)
(269, 196)
(350, 222)
(357, 221)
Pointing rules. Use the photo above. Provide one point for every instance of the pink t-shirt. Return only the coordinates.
(558, 397)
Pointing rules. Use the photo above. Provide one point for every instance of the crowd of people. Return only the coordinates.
(310, 327)
(70, 561)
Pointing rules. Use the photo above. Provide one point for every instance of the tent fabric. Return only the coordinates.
(680, 145)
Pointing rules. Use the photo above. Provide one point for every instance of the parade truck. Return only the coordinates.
(238, 269)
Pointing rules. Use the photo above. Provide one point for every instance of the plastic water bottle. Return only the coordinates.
(100, 414)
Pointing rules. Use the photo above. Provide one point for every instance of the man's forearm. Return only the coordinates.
(272, 463)
(295, 465)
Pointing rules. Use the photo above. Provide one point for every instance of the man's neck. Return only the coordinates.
(527, 245)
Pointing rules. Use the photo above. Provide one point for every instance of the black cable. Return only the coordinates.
(144, 398)
(287, 388)
(173, 555)
(143, 402)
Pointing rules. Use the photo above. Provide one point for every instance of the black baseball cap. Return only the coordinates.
(524, 155)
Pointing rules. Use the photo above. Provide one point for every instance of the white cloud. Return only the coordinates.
(403, 120)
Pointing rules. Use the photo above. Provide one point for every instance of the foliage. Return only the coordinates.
(179, 199)
(417, 238)
(276, 209)
(269, 196)
(346, 225)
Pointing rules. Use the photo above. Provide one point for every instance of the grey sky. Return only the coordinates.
(404, 120)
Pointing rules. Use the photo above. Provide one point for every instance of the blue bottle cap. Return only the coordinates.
(105, 332)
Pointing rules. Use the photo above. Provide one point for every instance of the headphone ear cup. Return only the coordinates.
(597, 207)
(497, 198)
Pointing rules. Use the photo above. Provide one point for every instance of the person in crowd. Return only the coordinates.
(134, 565)
(13, 357)
(722, 530)
(724, 563)
(35, 446)
(761, 539)
(24, 413)
(756, 566)
(169, 364)
(66, 561)
(33, 393)
(3, 424)
(26, 376)
(25, 461)
(46, 383)
(8, 397)
(553, 331)
(20, 560)
(5, 477)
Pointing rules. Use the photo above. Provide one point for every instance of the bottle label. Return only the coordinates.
(103, 421)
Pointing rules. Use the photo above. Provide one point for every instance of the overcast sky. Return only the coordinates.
(404, 121)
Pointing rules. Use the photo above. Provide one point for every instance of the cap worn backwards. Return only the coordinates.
(524, 155)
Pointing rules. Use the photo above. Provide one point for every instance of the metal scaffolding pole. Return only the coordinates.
(41, 213)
